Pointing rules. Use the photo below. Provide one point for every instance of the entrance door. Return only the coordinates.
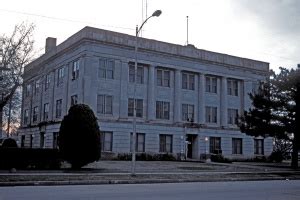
(191, 143)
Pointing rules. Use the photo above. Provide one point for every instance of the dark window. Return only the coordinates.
(188, 81)
(215, 145)
(104, 104)
(162, 110)
(106, 141)
(139, 142)
(106, 69)
(237, 146)
(139, 107)
(187, 112)
(163, 78)
(35, 114)
(58, 108)
(75, 70)
(165, 143)
(46, 111)
(74, 100)
(259, 146)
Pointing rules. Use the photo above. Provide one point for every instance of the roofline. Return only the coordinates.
(152, 45)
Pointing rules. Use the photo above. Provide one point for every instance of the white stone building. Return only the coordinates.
(175, 84)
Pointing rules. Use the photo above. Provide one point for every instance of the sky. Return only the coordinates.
(265, 30)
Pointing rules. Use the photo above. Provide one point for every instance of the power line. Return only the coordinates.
(63, 19)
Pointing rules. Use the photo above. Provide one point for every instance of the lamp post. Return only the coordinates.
(157, 13)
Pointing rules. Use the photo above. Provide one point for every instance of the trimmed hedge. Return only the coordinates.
(147, 157)
(23, 158)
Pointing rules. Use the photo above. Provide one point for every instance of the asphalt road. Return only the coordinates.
(188, 191)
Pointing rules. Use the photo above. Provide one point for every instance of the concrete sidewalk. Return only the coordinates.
(119, 172)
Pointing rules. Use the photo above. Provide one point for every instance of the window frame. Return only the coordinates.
(232, 87)
(232, 116)
(47, 82)
(163, 110)
(58, 108)
(188, 81)
(75, 69)
(74, 99)
(106, 69)
(46, 111)
(215, 145)
(163, 77)
(140, 73)
(186, 114)
(60, 75)
(211, 84)
(259, 148)
(137, 143)
(139, 107)
(237, 146)
(104, 106)
(104, 136)
(164, 146)
(35, 114)
(211, 114)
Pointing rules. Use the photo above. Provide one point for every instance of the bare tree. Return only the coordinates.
(16, 51)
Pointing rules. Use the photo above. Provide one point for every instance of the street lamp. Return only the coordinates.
(157, 13)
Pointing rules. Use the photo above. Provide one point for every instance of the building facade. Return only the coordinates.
(187, 99)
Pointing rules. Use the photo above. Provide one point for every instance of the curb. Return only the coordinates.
(140, 181)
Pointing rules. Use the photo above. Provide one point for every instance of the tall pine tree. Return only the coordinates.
(274, 108)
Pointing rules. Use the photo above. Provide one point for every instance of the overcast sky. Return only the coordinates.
(266, 30)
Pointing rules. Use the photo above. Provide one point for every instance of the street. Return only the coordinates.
(244, 190)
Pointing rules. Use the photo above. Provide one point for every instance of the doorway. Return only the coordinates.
(192, 147)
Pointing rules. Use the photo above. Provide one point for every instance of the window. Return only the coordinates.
(165, 143)
(163, 78)
(42, 139)
(60, 76)
(75, 70)
(215, 145)
(139, 107)
(211, 114)
(47, 82)
(187, 112)
(55, 140)
(188, 81)
(37, 87)
(58, 108)
(211, 84)
(232, 117)
(26, 115)
(237, 146)
(232, 87)
(106, 69)
(106, 141)
(162, 110)
(259, 146)
(74, 100)
(104, 104)
(28, 90)
(139, 142)
(46, 111)
(35, 114)
(139, 75)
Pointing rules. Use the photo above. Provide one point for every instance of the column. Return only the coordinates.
(241, 87)
(201, 97)
(177, 96)
(123, 90)
(223, 102)
(151, 95)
